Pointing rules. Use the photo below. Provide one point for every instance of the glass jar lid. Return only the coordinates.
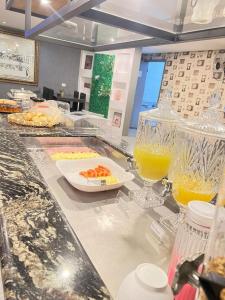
(209, 122)
(164, 111)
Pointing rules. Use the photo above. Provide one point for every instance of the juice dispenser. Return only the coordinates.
(153, 150)
(198, 160)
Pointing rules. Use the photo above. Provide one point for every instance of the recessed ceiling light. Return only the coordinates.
(4, 22)
(45, 1)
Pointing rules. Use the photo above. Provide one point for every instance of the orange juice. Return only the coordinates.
(153, 162)
(221, 194)
(186, 189)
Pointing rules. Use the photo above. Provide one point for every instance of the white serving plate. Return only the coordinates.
(70, 169)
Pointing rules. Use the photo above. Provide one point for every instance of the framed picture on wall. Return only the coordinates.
(88, 62)
(19, 59)
(87, 85)
(117, 118)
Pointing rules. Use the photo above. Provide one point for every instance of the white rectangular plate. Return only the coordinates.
(70, 169)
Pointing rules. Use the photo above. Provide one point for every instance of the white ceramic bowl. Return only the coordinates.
(147, 282)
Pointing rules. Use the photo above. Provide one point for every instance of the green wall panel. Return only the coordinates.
(101, 83)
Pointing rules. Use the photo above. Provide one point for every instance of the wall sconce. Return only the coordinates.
(203, 11)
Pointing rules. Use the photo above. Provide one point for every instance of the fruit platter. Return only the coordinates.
(94, 174)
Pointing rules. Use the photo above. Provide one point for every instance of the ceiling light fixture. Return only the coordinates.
(4, 22)
(84, 33)
(71, 25)
(45, 2)
(203, 11)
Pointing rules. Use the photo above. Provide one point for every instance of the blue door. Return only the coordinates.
(148, 88)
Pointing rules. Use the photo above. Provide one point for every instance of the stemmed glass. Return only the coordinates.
(153, 151)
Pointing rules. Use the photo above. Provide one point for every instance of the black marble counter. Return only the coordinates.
(41, 257)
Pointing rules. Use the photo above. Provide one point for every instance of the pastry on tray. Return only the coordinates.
(9, 106)
(34, 119)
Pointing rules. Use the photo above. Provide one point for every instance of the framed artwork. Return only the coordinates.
(19, 59)
(117, 118)
(88, 62)
(117, 94)
(87, 85)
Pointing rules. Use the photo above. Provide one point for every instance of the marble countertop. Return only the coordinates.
(115, 232)
(41, 256)
(41, 230)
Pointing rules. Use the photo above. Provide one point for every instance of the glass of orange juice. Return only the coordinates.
(153, 151)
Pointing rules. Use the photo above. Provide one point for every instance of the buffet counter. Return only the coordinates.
(58, 242)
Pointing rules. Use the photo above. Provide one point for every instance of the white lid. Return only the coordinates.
(151, 276)
(201, 213)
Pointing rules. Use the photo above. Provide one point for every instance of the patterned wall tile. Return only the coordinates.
(192, 78)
